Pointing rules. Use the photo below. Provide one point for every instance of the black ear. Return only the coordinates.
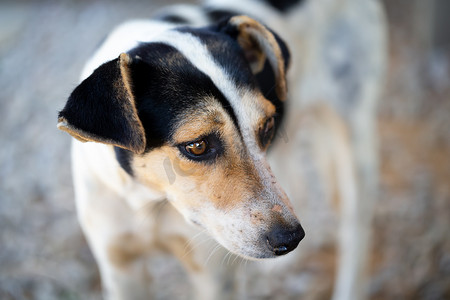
(102, 108)
(260, 44)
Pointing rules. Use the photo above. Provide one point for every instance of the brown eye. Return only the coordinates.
(267, 131)
(196, 148)
(204, 149)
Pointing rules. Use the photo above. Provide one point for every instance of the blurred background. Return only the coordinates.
(43, 46)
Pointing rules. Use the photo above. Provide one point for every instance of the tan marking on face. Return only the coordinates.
(259, 109)
(277, 208)
(230, 185)
(125, 249)
(226, 182)
(268, 107)
(151, 168)
(259, 116)
(257, 218)
(200, 122)
(231, 197)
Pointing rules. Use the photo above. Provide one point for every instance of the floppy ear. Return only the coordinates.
(103, 109)
(259, 44)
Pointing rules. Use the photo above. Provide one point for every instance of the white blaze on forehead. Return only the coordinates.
(198, 54)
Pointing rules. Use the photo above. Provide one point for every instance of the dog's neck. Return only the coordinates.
(106, 169)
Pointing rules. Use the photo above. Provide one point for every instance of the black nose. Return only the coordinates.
(282, 240)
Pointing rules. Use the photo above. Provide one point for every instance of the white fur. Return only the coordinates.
(124, 38)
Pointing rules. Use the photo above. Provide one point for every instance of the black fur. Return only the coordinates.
(165, 85)
(172, 18)
(227, 53)
(222, 53)
(216, 15)
(283, 5)
(96, 107)
(124, 157)
(266, 83)
(221, 42)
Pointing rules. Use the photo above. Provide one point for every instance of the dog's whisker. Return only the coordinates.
(241, 261)
(246, 264)
(225, 257)
(237, 256)
(192, 239)
(217, 247)
(189, 249)
(229, 258)
(190, 246)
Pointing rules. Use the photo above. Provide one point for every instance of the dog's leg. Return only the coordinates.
(346, 42)
(353, 229)
(118, 252)
(333, 148)
(356, 234)
(122, 267)
(106, 221)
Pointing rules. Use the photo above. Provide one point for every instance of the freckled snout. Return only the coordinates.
(282, 239)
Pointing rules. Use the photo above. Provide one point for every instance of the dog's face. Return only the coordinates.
(193, 114)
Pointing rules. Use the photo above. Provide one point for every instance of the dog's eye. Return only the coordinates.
(266, 132)
(196, 148)
(204, 149)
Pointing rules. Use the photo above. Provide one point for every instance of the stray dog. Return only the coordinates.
(183, 109)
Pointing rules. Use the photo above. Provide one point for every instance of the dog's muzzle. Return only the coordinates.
(281, 240)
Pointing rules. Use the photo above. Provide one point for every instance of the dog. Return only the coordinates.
(183, 108)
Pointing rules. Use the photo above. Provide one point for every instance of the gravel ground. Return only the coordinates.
(43, 254)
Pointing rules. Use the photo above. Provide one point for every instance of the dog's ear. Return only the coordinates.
(259, 44)
(102, 108)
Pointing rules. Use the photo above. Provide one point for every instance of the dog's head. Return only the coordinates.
(192, 114)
